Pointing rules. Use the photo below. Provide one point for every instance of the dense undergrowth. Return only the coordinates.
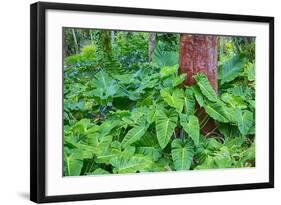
(123, 114)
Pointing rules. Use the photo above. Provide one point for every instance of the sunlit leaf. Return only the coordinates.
(231, 68)
(198, 96)
(244, 120)
(189, 102)
(190, 125)
(168, 70)
(161, 57)
(215, 110)
(182, 154)
(205, 87)
(177, 80)
(165, 125)
(134, 134)
(131, 164)
(174, 98)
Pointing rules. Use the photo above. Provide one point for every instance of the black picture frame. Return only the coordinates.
(38, 101)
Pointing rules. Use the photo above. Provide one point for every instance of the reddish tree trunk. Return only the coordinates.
(198, 54)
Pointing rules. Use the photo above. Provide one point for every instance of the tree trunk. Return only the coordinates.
(151, 45)
(198, 54)
(112, 37)
(75, 41)
(92, 38)
(106, 42)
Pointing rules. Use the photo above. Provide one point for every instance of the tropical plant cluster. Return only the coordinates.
(126, 114)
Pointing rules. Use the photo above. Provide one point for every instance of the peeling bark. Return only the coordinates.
(198, 54)
(75, 41)
(151, 45)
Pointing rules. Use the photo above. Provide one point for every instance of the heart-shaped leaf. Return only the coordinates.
(165, 125)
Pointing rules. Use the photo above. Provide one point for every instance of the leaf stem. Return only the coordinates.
(175, 135)
(181, 134)
(204, 121)
(212, 131)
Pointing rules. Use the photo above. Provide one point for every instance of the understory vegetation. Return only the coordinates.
(126, 111)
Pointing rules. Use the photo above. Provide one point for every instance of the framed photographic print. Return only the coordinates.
(129, 102)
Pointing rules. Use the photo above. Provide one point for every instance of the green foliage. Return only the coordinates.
(182, 154)
(123, 114)
(189, 101)
(84, 58)
(167, 71)
(205, 87)
(163, 57)
(132, 164)
(73, 162)
(134, 135)
(190, 124)
(244, 120)
(165, 125)
(216, 111)
(174, 98)
(231, 68)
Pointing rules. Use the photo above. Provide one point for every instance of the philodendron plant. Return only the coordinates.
(148, 121)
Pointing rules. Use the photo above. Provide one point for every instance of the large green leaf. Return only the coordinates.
(250, 72)
(151, 114)
(233, 101)
(177, 80)
(205, 87)
(237, 90)
(99, 171)
(229, 131)
(245, 121)
(249, 154)
(182, 154)
(167, 71)
(114, 151)
(105, 156)
(231, 68)
(198, 95)
(73, 166)
(220, 159)
(161, 57)
(189, 101)
(132, 164)
(161, 165)
(148, 140)
(134, 134)
(104, 86)
(216, 111)
(190, 125)
(99, 142)
(73, 161)
(153, 152)
(165, 125)
(80, 128)
(173, 97)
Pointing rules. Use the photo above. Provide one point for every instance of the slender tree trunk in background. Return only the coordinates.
(151, 45)
(220, 45)
(105, 38)
(92, 39)
(112, 36)
(198, 54)
(236, 45)
(248, 39)
(75, 41)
